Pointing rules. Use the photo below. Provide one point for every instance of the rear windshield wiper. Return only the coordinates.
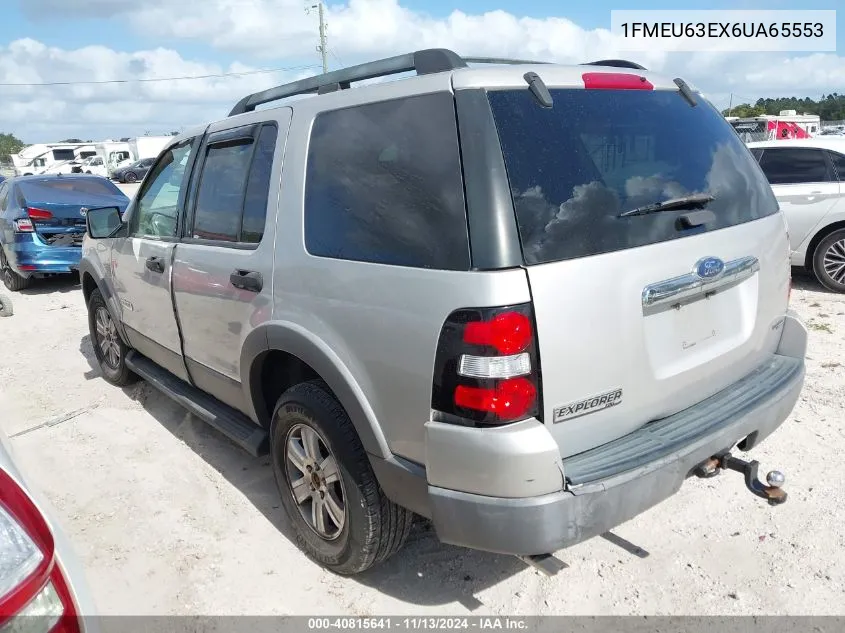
(686, 202)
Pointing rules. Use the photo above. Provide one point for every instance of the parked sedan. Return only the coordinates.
(134, 172)
(808, 179)
(42, 587)
(42, 223)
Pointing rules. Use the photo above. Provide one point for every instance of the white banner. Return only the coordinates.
(713, 31)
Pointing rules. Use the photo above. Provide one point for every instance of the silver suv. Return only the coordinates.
(523, 300)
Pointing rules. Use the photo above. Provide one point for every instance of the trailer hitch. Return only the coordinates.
(773, 492)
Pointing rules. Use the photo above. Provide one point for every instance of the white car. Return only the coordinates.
(42, 587)
(808, 179)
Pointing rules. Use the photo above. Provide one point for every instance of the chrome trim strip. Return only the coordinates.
(690, 286)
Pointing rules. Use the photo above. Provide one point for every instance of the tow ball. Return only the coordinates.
(773, 492)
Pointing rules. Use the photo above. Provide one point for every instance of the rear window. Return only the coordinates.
(89, 186)
(575, 167)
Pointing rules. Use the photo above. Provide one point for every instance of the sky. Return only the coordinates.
(60, 41)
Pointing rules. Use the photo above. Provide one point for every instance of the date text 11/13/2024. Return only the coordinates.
(416, 623)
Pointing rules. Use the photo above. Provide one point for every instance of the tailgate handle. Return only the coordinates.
(690, 286)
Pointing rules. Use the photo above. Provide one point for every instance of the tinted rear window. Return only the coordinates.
(89, 186)
(575, 167)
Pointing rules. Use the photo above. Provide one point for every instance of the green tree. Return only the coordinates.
(9, 144)
(829, 108)
(744, 110)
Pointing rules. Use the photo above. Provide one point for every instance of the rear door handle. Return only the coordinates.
(155, 264)
(246, 280)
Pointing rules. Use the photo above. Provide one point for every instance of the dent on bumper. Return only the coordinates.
(41, 258)
(546, 523)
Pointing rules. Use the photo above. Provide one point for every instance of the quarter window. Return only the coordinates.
(384, 185)
(838, 161)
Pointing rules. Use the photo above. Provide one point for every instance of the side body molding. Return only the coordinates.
(289, 337)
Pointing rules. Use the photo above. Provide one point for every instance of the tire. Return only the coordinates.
(829, 261)
(12, 280)
(111, 355)
(373, 528)
(130, 177)
(6, 306)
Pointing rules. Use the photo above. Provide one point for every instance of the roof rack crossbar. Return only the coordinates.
(615, 63)
(424, 62)
(499, 60)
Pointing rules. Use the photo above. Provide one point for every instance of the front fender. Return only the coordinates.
(293, 339)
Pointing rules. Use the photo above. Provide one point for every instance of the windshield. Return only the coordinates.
(575, 167)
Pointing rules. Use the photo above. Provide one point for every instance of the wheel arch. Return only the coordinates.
(285, 354)
(92, 280)
(817, 238)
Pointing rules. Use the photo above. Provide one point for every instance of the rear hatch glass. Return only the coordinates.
(612, 357)
(575, 167)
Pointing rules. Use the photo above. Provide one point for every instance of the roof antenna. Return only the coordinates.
(538, 89)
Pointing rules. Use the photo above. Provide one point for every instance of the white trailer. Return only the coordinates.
(37, 159)
(110, 155)
(147, 146)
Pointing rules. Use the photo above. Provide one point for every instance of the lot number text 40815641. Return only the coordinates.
(417, 623)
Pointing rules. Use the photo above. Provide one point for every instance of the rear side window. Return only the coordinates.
(838, 161)
(384, 185)
(575, 167)
(232, 196)
(786, 166)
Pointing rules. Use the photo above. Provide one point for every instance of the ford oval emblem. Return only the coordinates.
(709, 267)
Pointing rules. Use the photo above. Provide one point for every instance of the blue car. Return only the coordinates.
(42, 223)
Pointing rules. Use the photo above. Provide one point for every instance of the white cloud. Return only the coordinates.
(40, 113)
(278, 33)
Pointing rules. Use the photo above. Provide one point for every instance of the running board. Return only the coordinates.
(231, 423)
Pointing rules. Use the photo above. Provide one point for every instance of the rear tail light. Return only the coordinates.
(39, 214)
(24, 225)
(34, 596)
(486, 369)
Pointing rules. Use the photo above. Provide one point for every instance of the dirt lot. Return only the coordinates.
(169, 518)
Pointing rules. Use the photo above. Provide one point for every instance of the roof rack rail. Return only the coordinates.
(616, 63)
(424, 62)
(499, 60)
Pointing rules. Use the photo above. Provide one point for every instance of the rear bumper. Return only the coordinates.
(31, 256)
(615, 482)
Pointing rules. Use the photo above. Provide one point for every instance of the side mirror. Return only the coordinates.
(103, 222)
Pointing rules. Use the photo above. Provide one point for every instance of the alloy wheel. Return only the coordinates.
(834, 261)
(315, 482)
(107, 338)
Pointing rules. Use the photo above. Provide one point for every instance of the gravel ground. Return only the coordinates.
(169, 518)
